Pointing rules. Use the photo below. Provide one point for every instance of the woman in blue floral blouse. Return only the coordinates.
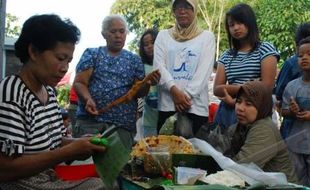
(104, 74)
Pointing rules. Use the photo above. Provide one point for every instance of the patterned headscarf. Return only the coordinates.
(184, 34)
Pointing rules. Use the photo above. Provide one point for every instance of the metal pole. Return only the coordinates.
(2, 30)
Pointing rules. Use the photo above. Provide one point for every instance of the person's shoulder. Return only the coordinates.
(94, 49)
(164, 31)
(263, 125)
(12, 79)
(267, 126)
(265, 44)
(11, 85)
(226, 54)
(291, 61)
(294, 83)
(208, 33)
(130, 54)
(162, 34)
(266, 49)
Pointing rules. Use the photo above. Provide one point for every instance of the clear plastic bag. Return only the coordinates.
(220, 138)
(183, 126)
(188, 176)
(157, 160)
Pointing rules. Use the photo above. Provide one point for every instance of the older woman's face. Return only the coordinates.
(184, 13)
(116, 36)
(245, 110)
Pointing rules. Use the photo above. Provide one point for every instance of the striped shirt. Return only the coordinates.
(246, 66)
(26, 125)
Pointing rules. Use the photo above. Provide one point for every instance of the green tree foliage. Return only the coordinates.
(63, 95)
(277, 20)
(144, 14)
(12, 29)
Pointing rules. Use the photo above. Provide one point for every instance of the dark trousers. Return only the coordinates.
(197, 120)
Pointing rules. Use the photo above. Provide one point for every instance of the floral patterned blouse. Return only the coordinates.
(112, 77)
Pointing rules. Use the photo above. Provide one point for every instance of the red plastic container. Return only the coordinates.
(76, 171)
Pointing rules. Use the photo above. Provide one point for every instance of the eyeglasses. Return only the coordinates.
(179, 6)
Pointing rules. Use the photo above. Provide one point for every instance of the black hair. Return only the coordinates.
(304, 41)
(144, 57)
(244, 14)
(302, 31)
(43, 32)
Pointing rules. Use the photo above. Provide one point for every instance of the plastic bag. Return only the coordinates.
(140, 130)
(189, 176)
(168, 126)
(225, 115)
(220, 138)
(252, 175)
(183, 126)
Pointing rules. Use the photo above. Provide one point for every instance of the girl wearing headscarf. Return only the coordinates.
(184, 54)
(256, 139)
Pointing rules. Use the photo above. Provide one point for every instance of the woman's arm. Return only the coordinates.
(150, 80)
(269, 71)
(25, 165)
(220, 83)
(204, 66)
(160, 60)
(260, 145)
(80, 85)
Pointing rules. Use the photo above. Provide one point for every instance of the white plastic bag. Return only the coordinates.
(140, 130)
(250, 172)
(188, 176)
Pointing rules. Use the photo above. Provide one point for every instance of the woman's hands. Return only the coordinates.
(91, 107)
(227, 98)
(82, 148)
(153, 77)
(182, 101)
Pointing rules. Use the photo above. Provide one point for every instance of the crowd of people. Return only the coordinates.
(171, 76)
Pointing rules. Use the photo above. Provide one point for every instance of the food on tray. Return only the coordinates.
(175, 144)
(224, 177)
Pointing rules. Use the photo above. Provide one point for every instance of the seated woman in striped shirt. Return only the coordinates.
(31, 128)
(247, 59)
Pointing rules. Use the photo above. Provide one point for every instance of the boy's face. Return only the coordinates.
(304, 57)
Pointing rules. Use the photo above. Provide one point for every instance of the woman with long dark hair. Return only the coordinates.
(247, 59)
